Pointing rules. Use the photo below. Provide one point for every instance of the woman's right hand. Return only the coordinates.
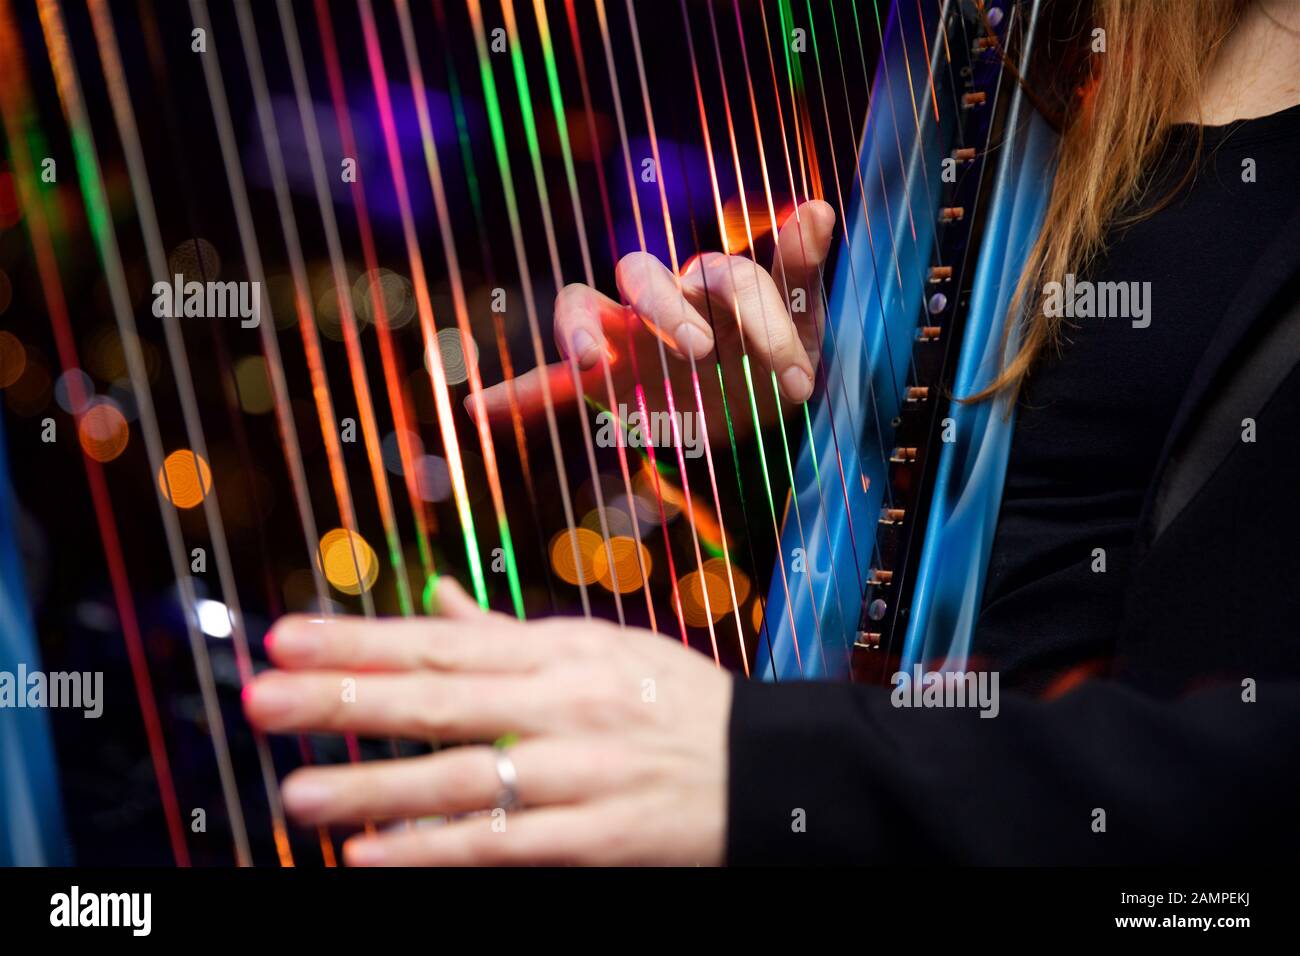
(745, 301)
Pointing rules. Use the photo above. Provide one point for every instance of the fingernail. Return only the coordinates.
(797, 384)
(583, 346)
(306, 796)
(362, 852)
(692, 340)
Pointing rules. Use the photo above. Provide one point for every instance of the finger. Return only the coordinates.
(802, 246)
(555, 835)
(400, 644)
(530, 393)
(743, 290)
(580, 323)
(459, 780)
(452, 602)
(654, 294)
(415, 705)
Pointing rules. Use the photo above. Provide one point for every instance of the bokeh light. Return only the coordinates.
(213, 618)
(391, 452)
(103, 430)
(195, 260)
(692, 589)
(627, 569)
(73, 390)
(562, 558)
(253, 385)
(718, 567)
(451, 350)
(13, 359)
(185, 478)
(349, 563)
(432, 478)
(395, 291)
(617, 519)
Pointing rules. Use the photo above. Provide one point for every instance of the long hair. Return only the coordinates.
(1114, 109)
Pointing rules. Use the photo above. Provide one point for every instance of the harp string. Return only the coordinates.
(215, 86)
(342, 287)
(105, 241)
(765, 179)
(795, 125)
(561, 125)
(460, 309)
(128, 133)
(731, 433)
(530, 305)
(288, 429)
(745, 363)
(848, 404)
(617, 99)
(356, 361)
(580, 60)
(424, 305)
(859, 311)
(390, 359)
(498, 320)
(624, 471)
(828, 372)
(524, 96)
(304, 308)
(718, 210)
(180, 162)
(675, 266)
(695, 381)
(920, 136)
(722, 387)
(15, 102)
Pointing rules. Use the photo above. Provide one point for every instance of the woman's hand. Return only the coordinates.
(744, 300)
(621, 751)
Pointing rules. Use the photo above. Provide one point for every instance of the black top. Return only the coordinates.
(1093, 417)
(1189, 743)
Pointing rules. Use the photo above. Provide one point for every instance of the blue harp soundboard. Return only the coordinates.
(887, 571)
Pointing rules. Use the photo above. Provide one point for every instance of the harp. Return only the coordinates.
(930, 467)
(378, 173)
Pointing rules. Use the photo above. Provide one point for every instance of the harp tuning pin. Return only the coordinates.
(952, 214)
(970, 100)
(892, 515)
(879, 577)
(903, 454)
(917, 393)
(985, 43)
(964, 155)
(940, 273)
(929, 333)
(868, 640)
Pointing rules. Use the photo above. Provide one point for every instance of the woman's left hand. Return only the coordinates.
(621, 752)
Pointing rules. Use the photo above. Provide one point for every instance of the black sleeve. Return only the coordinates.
(834, 773)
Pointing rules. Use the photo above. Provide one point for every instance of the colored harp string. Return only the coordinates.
(181, 162)
(802, 175)
(103, 234)
(16, 114)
